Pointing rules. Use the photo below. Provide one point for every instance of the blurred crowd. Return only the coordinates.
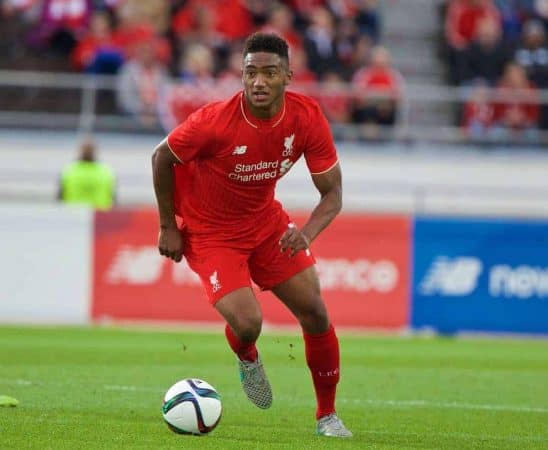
(497, 51)
(198, 44)
(171, 56)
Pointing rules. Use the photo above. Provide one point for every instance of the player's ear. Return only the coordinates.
(288, 76)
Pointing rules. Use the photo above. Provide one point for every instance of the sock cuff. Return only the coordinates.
(318, 337)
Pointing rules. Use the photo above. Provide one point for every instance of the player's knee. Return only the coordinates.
(314, 317)
(248, 328)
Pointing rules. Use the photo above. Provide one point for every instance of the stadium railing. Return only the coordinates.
(87, 103)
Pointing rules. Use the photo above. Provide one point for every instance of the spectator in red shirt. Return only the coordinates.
(302, 75)
(139, 83)
(203, 30)
(135, 29)
(378, 90)
(463, 17)
(280, 22)
(516, 107)
(486, 55)
(334, 98)
(97, 52)
(198, 85)
(461, 23)
(232, 18)
(478, 112)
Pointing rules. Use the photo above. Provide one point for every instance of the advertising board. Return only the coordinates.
(362, 261)
(480, 275)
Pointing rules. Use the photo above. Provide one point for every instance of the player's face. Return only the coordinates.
(265, 76)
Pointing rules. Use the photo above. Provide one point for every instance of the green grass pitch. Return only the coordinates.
(102, 388)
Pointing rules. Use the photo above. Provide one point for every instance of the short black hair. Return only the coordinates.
(266, 42)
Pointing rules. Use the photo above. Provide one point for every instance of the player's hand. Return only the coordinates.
(294, 240)
(170, 243)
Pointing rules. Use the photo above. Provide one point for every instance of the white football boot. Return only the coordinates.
(332, 426)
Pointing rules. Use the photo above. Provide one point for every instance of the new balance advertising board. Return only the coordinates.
(362, 260)
(480, 275)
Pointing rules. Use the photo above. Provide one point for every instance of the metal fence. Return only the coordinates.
(88, 103)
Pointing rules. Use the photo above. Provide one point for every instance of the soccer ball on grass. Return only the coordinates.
(192, 406)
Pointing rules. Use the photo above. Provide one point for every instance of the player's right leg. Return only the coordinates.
(225, 276)
(244, 319)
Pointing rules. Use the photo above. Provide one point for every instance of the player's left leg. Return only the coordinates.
(301, 294)
(294, 280)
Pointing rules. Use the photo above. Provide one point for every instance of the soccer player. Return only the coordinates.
(214, 179)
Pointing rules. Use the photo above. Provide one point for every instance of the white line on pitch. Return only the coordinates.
(454, 405)
(356, 401)
(388, 403)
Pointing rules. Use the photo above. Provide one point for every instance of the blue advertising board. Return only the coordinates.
(480, 275)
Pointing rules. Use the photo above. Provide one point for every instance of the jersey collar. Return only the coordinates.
(260, 123)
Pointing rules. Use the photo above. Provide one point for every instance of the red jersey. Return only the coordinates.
(232, 162)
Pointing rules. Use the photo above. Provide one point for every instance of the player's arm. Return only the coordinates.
(329, 185)
(170, 243)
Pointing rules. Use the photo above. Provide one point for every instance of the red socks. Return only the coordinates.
(246, 351)
(322, 357)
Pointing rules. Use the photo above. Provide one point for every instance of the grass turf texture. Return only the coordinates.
(103, 388)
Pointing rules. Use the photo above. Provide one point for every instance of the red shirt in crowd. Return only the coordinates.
(86, 50)
(232, 19)
(232, 162)
(379, 80)
(128, 37)
(463, 17)
(482, 113)
(517, 108)
(305, 7)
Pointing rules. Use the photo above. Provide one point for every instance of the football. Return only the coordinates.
(192, 406)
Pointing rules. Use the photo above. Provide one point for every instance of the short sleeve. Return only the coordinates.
(320, 152)
(194, 138)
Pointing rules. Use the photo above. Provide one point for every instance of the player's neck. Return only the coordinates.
(265, 113)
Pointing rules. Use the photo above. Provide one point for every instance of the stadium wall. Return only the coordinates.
(45, 261)
(398, 177)
(378, 271)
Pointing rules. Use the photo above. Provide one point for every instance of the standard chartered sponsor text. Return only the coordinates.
(262, 170)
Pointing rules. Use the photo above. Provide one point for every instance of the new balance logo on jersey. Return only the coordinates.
(451, 277)
(215, 283)
(240, 150)
(288, 145)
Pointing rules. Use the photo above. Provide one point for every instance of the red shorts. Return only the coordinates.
(225, 268)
